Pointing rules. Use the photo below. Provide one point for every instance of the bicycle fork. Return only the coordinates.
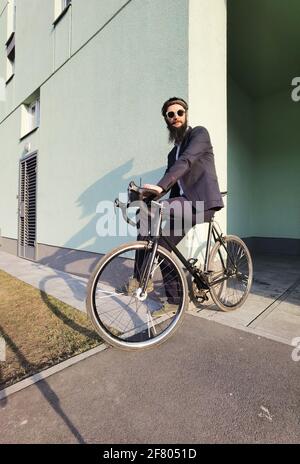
(152, 245)
(146, 275)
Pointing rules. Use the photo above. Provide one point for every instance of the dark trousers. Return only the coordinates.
(180, 216)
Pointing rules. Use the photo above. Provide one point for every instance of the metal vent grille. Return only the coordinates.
(27, 208)
(21, 203)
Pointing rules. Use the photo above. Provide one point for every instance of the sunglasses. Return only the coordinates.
(171, 114)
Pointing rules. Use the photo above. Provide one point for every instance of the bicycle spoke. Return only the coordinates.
(110, 295)
(235, 287)
(121, 310)
(158, 265)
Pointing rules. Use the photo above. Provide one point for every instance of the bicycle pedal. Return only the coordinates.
(204, 297)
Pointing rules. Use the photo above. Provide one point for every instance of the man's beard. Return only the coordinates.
(176, 134)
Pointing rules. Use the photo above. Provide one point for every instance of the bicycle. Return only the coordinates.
(129, 304)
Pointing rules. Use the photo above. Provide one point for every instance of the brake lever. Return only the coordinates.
(123, 208)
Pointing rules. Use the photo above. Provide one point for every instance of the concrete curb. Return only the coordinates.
(255, 331)
(47, 372)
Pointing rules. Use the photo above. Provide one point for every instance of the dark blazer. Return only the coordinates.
(196, 170)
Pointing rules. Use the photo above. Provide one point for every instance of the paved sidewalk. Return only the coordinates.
(272, 309)
(66, 287)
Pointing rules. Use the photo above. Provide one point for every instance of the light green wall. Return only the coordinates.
(262, 37)
(9, 177)
(2, 5)
(241, 161)
(100, 122)
(41, 49)
(62, 39)
(100, 119)
(263, 131)
(276, 210)
(263, 165)
(34, 51)
(91, 15)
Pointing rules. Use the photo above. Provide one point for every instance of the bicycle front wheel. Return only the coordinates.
(123, 316)
(230, 273)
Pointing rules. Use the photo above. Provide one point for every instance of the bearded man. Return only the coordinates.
(193, 184)
(191, 174)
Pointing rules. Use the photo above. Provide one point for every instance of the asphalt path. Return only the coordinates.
(208, 384)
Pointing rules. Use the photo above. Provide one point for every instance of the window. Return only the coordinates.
(10, 52)
(30, 116)
(34, 114)
(60, 8)
(10, 43)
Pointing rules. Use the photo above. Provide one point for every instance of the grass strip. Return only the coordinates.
(39, 330)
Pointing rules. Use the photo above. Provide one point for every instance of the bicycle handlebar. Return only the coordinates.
(137, 194)
(140, 193)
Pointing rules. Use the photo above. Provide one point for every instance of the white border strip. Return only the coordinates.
(255, 331)
(52, 370)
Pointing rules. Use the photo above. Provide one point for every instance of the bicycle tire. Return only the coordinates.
(110, 334)
(220, 292)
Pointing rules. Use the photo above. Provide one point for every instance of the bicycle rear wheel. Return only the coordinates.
(230, 273)
(120, 314)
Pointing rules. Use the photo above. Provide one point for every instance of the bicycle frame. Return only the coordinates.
(201, 281)
(190, 266)
(200, 277)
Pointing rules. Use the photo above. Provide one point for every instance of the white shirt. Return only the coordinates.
(177, 155)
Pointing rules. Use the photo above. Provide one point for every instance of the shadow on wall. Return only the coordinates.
(272, 276)
(116, 181)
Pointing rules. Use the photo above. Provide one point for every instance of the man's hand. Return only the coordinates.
(157, 188)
